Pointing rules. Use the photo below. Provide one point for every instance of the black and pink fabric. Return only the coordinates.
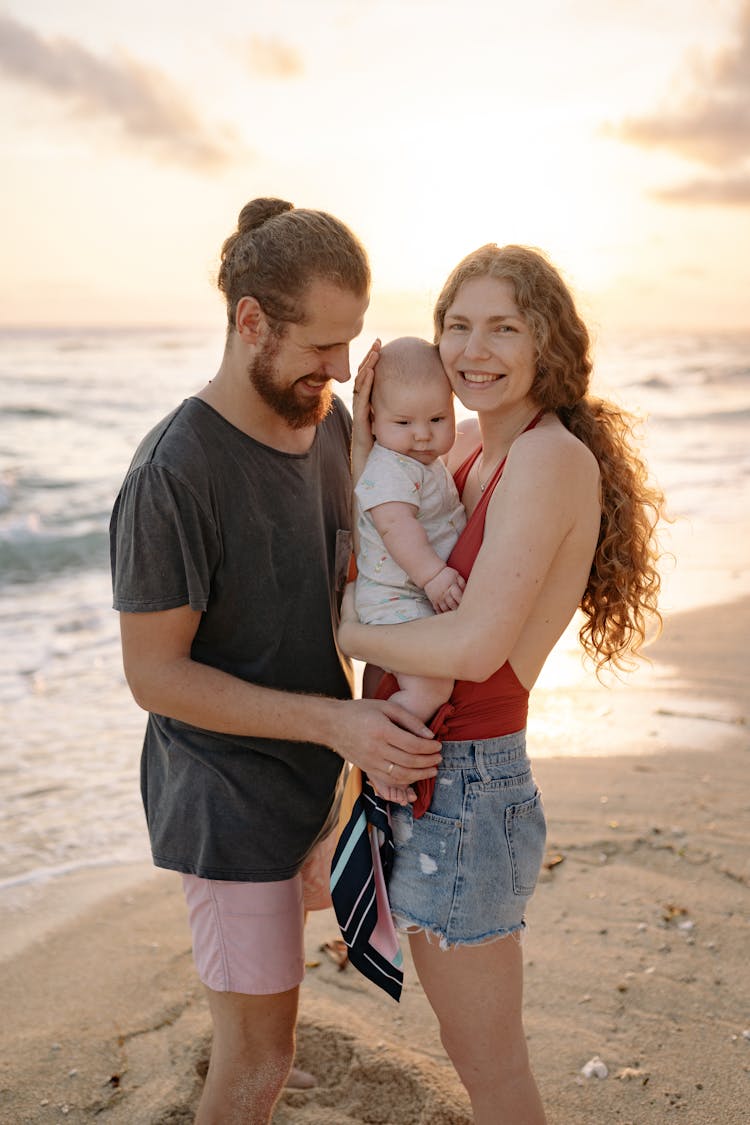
(360, 868)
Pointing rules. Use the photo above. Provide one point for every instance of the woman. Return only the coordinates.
(561, 515)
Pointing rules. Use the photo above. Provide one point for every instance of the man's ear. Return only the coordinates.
(250, 321)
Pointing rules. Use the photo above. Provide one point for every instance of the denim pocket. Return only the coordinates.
(526, 833)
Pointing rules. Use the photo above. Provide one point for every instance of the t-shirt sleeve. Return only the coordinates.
(389, 477)
(163, 544)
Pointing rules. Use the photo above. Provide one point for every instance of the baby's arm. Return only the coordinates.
(406, 542)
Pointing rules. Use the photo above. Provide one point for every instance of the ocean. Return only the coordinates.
(73, 405)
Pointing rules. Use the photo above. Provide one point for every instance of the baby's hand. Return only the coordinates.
(445, 590)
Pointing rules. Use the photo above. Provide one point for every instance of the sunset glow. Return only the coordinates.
(614, 137)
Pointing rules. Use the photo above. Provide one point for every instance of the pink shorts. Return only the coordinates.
(248, 937)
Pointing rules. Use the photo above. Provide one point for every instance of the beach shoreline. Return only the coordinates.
(636, 949)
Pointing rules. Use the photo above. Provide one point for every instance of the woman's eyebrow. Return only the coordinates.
(495, 319)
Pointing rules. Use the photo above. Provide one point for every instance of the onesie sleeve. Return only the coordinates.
(389, 477)
(164, 546)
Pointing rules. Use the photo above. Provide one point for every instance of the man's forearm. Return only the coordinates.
(214, 700)
(165, 679)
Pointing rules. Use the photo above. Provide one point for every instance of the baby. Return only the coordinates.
(408, 512)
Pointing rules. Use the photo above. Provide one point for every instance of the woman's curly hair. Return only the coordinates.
(623, 586)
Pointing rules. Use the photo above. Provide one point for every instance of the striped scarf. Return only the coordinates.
(360, 868)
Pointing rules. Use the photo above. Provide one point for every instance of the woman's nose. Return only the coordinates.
(475, 345)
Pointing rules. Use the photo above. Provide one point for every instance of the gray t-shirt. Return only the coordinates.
(258, 541)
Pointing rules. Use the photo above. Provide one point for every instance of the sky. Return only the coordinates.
(616, 137)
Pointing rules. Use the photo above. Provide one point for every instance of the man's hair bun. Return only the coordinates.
(258, 211)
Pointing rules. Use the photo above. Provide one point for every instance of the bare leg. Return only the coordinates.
(251, 1056)
(422, 695)
(476, 994)
(299, 1079)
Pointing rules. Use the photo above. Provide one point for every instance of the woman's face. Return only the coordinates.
(486, 346)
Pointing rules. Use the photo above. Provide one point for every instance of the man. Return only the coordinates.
(230, 545)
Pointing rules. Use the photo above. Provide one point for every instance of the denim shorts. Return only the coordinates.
(465, 870)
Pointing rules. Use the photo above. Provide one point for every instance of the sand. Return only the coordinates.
(636, 951)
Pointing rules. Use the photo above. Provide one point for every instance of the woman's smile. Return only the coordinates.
(479, 377)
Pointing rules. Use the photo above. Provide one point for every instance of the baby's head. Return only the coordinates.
(412, 401)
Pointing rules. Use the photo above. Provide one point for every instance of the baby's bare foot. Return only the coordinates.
(395, 793)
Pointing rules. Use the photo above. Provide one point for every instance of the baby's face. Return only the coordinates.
(415, 419)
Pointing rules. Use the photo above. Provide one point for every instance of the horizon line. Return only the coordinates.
(220, 328)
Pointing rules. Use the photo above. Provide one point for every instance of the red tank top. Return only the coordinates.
(498, 705)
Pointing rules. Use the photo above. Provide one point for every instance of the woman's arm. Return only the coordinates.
(549, 483)
(362, 440)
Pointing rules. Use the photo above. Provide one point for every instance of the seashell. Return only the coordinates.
(595, 1068)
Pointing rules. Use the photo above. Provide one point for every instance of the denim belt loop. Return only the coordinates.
(479, 761)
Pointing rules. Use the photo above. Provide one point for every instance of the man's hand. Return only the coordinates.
(392, 746)
(445, 590)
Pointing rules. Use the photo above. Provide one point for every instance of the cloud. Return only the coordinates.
(712, 133)
(709, 125)
(149, 109)
(271, 58)
(727, 192)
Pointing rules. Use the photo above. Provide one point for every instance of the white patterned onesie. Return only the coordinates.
(384, 594)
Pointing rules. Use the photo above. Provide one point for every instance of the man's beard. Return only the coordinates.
(297, 413)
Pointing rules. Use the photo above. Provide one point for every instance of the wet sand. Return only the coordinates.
(636, 950)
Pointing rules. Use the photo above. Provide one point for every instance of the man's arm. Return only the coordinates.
(166, 680)
(406, 542)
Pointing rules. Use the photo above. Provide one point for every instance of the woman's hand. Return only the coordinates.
(362, 427)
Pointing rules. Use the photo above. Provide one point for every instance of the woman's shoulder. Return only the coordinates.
(550, 448)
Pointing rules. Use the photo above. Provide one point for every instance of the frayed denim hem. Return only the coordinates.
(408, 925)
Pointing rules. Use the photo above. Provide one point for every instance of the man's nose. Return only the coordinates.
(336, 365)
